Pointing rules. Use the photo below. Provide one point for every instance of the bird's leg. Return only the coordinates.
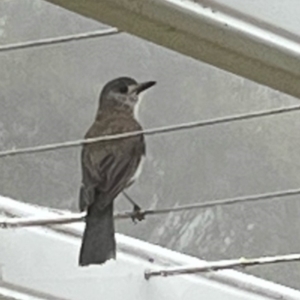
(137, 214)
(135, 206)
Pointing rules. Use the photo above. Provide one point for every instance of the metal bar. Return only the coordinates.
(206, 33)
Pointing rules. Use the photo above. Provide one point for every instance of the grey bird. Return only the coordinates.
(109, 167)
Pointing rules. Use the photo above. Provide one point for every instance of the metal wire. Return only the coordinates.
(70, 218)
(223, 264)
(60, 40)
(207, 204)
(152, 131)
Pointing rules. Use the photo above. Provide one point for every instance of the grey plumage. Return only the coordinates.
(109, 167)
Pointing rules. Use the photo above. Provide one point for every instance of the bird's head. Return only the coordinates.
(123, 93)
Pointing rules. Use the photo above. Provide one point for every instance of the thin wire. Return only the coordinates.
(207, 204)
(223, 264)
(70, 218)
(66, 218)
(152, 131)
(59, 40)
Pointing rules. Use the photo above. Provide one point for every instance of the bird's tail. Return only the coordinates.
(98, 242)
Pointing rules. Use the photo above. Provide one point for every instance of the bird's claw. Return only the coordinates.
(137, 214)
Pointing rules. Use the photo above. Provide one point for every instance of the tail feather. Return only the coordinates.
(98, 243)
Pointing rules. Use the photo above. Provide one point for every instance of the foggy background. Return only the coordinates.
(50, 94)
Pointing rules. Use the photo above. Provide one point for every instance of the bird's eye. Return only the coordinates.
(124, 89)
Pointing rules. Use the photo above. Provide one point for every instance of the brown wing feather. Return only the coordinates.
(108, 166)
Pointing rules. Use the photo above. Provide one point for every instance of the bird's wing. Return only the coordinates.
(107, 170)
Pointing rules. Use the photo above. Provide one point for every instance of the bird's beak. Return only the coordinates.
(140, 87)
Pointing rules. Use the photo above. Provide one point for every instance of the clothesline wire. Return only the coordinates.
(153, 131)
(60, 39)
(222, 265)
(73, 217)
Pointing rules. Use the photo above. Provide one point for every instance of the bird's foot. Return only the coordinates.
(137, 214)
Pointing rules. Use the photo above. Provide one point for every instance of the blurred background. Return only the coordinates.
(50, 94)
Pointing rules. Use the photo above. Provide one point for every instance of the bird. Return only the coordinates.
(109, 167)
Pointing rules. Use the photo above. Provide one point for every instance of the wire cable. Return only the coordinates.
(152, 131)
(223, 264)
(214, 203)
(73, 217)
(60, 40)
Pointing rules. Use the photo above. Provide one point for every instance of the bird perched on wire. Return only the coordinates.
(109, 167)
